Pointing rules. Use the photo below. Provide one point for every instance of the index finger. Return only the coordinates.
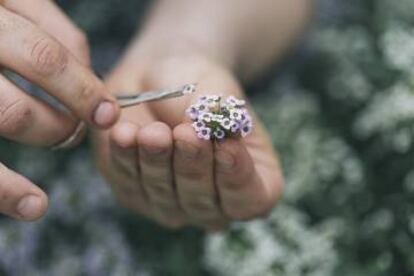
(34, 54)
(56, 23)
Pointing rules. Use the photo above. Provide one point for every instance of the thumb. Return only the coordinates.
(20, 198)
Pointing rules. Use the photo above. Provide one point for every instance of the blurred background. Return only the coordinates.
(340, 110)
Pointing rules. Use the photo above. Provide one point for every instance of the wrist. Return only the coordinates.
(181, 46)
(150, 51)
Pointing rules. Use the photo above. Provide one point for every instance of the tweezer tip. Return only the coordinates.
(189, 88)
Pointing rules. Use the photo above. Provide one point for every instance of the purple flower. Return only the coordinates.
(214, 98)
(246, 129)
(204, 133)
(235, 127)
(198, 125)
(219, 134)
(201, 107)
(244, 116)
(206, 117)
(192, 111)
(226, 123)
(215, 118)
(236, 114)
(218, 118)
(233, 101)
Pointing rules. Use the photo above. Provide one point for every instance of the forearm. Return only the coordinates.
(244, 35)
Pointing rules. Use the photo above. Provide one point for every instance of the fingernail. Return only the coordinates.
(187, 150)
(28, 206)
(224, 160)
(105, 114)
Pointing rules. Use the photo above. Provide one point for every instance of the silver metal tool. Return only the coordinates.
(155, 95)
(130, 100)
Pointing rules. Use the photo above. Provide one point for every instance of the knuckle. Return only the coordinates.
(15, 118)
(8, 22)
(87, 91)
(47, 57)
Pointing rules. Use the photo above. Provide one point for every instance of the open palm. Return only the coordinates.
(157, 165)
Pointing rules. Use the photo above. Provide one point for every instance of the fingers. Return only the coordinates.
(125, 167)
(123, 148)
(116, 158)
(155, 150)
(34, 54)
(56, 23)
(243, 192)
(19, 198)
(30, 121)
(194, 176)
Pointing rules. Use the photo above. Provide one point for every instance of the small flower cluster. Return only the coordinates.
(215, 118)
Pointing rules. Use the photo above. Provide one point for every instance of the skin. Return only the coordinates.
(155, 163)
(51, 52)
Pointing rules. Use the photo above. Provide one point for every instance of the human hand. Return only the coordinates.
(158, 167)
(39, 42)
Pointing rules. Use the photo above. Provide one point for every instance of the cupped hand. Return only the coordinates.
(38, 42)
(159, 168)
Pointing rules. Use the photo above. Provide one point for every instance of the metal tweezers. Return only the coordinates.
(155, 95)
(130, 100)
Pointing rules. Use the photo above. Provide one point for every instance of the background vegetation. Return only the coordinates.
(341, 114)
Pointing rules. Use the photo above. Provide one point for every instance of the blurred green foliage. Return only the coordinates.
(342, 121)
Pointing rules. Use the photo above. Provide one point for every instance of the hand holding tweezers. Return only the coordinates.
(155, 95)
(131, 100)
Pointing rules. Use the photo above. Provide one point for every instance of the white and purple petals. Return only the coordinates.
(215, 118)
(204, 133)
(219, 134)
(226, 123)
(198, 125)
(192, 112)
(233, 101)
(246, 129)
